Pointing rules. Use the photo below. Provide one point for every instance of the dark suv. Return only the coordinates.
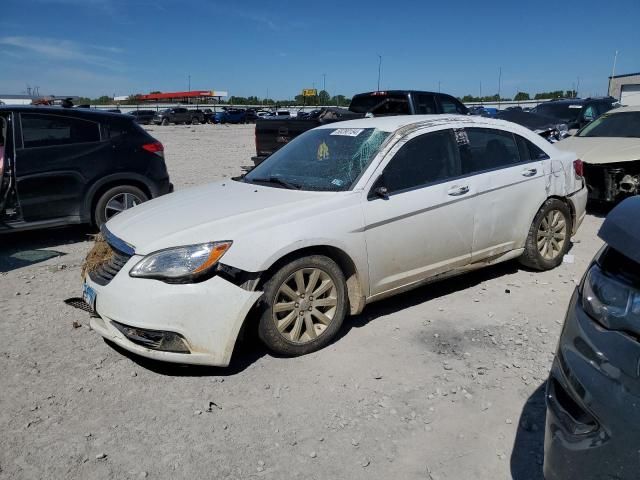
(145, 117)
(178, 115)
(593, 392)
(575, 112)
(60, 166)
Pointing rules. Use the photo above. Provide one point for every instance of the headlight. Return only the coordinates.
(614, 304)
(181, 264)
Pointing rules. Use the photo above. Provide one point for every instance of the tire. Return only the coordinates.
(165, 122)
(195, 121)
(303, 325)
(549, 236)
(126, 196)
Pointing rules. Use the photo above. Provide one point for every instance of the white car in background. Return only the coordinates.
(344, 215)
(610, 149)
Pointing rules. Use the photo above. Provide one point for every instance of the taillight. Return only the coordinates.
(155, 147)
(578, 166)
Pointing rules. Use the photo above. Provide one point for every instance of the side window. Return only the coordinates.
(529, 152)
(589, 113)
(487, 149)
(604, 107)
(449, 105)
(425, 104)
(422, 160)
(50, 130)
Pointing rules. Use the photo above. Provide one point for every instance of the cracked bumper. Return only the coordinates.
(208, 315)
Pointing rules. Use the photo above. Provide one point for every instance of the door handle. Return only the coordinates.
(530, 172)
(456, 191)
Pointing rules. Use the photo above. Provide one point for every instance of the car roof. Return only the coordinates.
(400, 92)
(89, 113)
(395, 122)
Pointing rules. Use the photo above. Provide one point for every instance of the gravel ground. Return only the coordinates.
(444, 382)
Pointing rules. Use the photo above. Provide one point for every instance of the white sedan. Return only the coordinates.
(344, 215)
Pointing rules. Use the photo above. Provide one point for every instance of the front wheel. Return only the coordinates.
(304, 305)
(549, 236)
(117, 200)
(165, 121)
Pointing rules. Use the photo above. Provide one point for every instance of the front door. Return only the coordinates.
(423, 224)
(51, 165)
(6, 158)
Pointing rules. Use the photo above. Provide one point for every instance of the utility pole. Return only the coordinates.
(613, 72)
(324, 82)
(480, 91)
(499, 86)
(189, 82)
(379, 70)
(575, 93)
(438, 86)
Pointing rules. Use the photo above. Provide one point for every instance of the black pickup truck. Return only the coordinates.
(273, 132)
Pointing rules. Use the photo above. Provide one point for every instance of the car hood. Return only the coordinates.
(218, 211)
(601, 150)
(619, 232)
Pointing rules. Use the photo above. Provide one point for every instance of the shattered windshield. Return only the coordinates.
(623, 124)
(326, 159)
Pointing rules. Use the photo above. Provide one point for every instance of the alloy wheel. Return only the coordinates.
(119, 203)
(552, 235)
(305, 305)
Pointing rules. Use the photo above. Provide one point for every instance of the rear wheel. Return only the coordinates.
(549, 236)
(195, 121)
(116, 200)
(305, 303)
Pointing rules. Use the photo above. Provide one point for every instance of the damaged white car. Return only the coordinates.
(610, 149)
(344, 215)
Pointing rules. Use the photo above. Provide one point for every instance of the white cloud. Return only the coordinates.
(64, 50)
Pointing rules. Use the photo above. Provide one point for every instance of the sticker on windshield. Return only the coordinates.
(337, 182)
(575, 106)
(323, 151)
(347, 132)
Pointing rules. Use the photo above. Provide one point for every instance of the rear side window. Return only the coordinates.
(486, 149)
(450, 105)
(52, 130)
(426, 159)
(529, 151)
(381, 104)
(425, 104)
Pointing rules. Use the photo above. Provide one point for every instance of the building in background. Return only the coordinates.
(625, 88)
(9, 99)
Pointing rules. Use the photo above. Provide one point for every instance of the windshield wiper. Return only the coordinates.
(278, 181)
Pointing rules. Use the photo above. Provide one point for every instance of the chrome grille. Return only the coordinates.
(103, 274)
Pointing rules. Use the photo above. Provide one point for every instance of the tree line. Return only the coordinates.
(521, 96)
(324, 98)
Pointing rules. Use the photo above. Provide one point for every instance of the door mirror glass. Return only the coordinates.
(382, 192)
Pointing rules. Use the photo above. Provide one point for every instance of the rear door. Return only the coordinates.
(509, 174)
(424, 225)
(56, 157)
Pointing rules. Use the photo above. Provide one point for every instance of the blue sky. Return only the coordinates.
(102, 47)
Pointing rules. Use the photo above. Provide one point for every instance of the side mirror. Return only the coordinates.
(381, 192)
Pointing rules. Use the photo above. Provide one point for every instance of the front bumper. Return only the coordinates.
(208, 315)
(593, 389)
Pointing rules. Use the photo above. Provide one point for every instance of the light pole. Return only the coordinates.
(379, 70)
(189, 82)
